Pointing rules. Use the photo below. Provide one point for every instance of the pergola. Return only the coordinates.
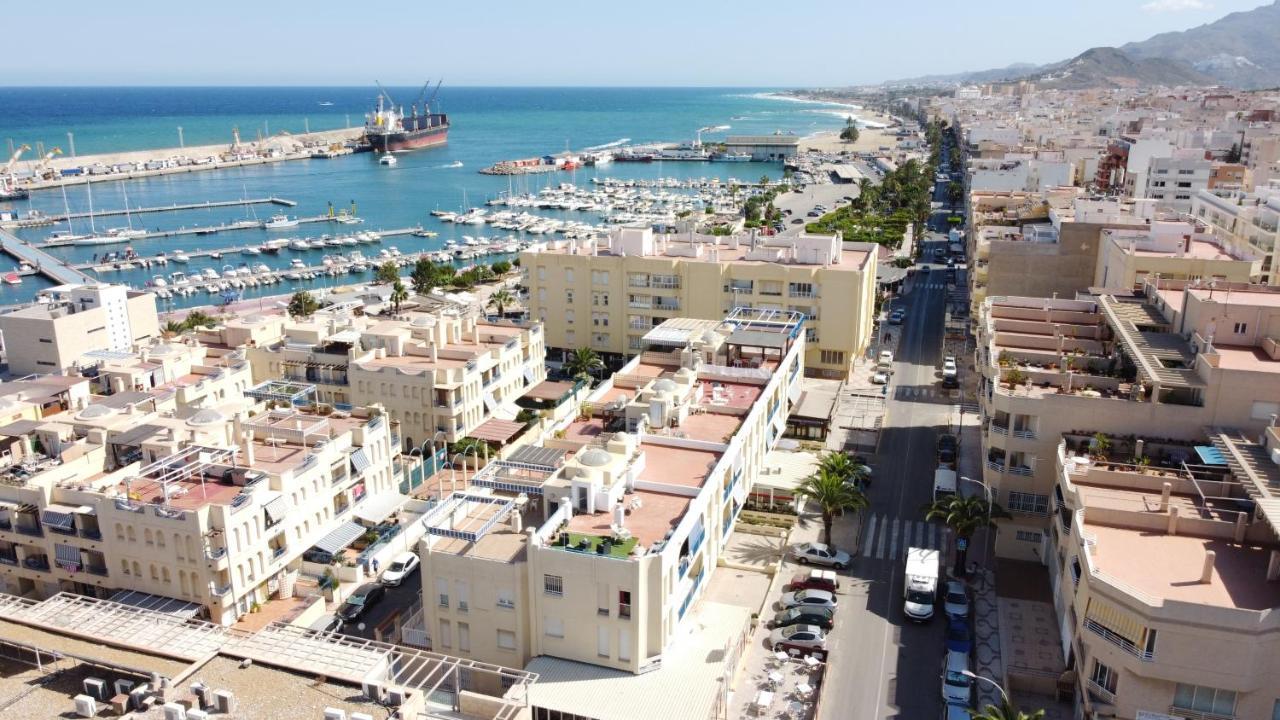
(293, 393)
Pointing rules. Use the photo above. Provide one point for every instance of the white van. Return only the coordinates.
(944, 482)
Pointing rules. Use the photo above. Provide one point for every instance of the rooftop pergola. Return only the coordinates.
(1164, 359)
(294, 393)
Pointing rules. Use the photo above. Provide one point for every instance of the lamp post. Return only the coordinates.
(986, 489)
(974, 676)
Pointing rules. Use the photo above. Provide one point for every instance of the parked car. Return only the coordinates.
(956, 711)
(808, 598)
(818, 616)
(885, 360)
(365, 597)
(948, 446)
(955, 602)
(956, 686)
(814, 213)
(800, 639)
(924, 269)
(879, 377)
(798, 221)
(820, 554)
(897, 316)
(959, 636)
(815, 579)
(401, 567)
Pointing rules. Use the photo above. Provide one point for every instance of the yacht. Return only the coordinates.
(178, 278)
(387, 159)
(299, 244)
(180, 257)
(210, 274)
(280, 222)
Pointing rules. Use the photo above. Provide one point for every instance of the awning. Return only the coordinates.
(549, 390)
(60, 517)
(158, 603)
(496, 430)
(275, 509)
(1119, 621)
(66, 554)
(1210, 455)
(340, 538)
(377, 508)
(535, 456)
(360, 461)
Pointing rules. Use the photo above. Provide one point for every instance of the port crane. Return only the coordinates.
(42, 168)
(8, 182)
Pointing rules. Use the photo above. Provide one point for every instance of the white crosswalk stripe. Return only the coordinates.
(886, 538)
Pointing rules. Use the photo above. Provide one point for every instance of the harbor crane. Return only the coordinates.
(42, 168)
(8, 181)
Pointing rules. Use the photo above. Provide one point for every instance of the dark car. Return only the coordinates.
(815, 579)
(798, 221)
(947, 446)
(365, 597)
(821, 617)
(959, 637)
(896, 317)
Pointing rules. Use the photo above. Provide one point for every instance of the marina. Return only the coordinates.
(43, 219)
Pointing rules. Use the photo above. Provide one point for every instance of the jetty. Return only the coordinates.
(44, 263)
(206, 230)
(206, 205)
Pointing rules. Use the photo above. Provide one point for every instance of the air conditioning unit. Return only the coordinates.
(335, 714)
(137, 695)
(361, 716)
(123, 686)
(203, 693)
(395, 698)
(95, 688)
(194, 714)
(374, 691)
(224, 701)
(86, 706)
(174, 711)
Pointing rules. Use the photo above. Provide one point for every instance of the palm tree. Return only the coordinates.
(837, 463)
(583, 363)
(172, 329)
(964, 515)
(501, 298)
(197, 319)
(832, 494)
(398, 295)
(1006, 711)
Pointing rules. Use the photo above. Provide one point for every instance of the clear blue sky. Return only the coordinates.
(560, 42)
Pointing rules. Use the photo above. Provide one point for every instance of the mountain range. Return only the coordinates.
(1239, 50)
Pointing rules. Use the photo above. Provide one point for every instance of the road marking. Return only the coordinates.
(921, 530)
(883, 541)
(893, 541)
(869, 536)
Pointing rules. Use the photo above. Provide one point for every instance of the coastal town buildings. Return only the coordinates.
(54, 335)
(608, 295)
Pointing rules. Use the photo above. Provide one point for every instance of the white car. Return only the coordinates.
(401, 567)
(820, 554)
(879, 377)
(808, 598)
(949, 363)
(955, 601)
(956, 685)
(886, 358)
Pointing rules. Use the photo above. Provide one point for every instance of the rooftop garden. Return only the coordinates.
(597, 544)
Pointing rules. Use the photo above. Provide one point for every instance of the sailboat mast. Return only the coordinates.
(88, 184)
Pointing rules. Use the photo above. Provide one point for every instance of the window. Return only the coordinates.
(599, 277)
(602, 641)
(464, 597)
(1029, 503)
(568, 314)
(1104, 677)
(602, 600)
(442, 592)
(506, 640)
(1204, 699)
(446, 633)
(1028, 536)
(506, 599)
(568, 275)
(464, 637)
(1240, 328)
(553, 585)
(600, 319)
(553, 627)
(832, 357)
(1075, 569)
(624, 604)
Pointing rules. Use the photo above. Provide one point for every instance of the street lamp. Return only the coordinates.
(974, 676)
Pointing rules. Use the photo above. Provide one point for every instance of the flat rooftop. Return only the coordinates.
(676, 466)
(1253, 297)
(657, 515)
(731, 394)
(850, 260)
(1249, 359)
(1198, 249)
(1168, 567)
(96, 651)
(501, 543)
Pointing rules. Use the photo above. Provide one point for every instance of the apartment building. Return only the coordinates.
(71, 320)
(1177, 356)
(597, 546)
(1173, 181)
(606, 296)
(1164, 561)
(1250, 222)
(440, 369)
(210, 507)
(1170, 251)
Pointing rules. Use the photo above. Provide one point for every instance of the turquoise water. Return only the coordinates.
(489, 124)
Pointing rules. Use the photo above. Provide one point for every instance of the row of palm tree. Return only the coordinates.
(836, 488)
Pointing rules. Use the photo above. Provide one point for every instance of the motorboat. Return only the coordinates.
(250, 250)
(180, 257)
(280, 222)
(297, 262)
(299, 244)
(387, 159)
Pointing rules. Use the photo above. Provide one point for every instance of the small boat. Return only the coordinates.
(261, 268)
(215, 255)
(387, 159)
(394, 250)
(13, 278)
(210, 274)
(250, 250)
(299, 244)
(158, 281)
(297, 262)
(280, 222)
(180, 257)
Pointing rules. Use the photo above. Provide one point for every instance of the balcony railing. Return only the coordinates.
(90, 534)
(36, 563)
(1025, 434)
(215, 553)
(99, 571)
(1100, 692)
(8, 560)
(642, 304)
(35, 531)
(666, 305)
(1020, 470)
(665, 284)
(1119, 641)
(999, 429)
(994, 466)
(220, 590)
(1190, 714)
(279, 551)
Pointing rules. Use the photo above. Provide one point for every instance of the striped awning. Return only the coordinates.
(61, 517)
(1116, 619)
(340, 538)
(66, 554)
(360, 461)
(275, 509)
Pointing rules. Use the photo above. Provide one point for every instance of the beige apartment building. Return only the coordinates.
(72, 320)
(607, 295)
(1165, 567)
(1179, 357)
(440, 370)
(598, 545)
(1249, 222)
(1169, 251)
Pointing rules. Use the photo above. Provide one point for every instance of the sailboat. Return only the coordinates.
(109, 237)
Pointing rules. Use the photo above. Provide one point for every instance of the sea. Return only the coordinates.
(489, 124)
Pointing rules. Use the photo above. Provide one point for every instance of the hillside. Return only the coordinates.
(1102, 67)
(1241, 49)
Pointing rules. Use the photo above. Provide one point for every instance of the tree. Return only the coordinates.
(398, 295)
(424, 276)
(843, 466)
(1006, 711)
(502, 267)
(197, 319)
(501, 299)
(583, 363)
(850, 132)
(387, 273)
(964, 515)
(832, 494)
(173, 328)
(303, 304)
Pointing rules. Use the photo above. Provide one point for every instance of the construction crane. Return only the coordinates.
(8, 168)
(8, 182)
(42, 168)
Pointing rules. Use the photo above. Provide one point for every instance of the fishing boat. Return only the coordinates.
(280, 222)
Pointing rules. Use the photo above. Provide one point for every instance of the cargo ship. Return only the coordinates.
(389, 129)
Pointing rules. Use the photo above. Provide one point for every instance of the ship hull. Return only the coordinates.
(397, 141)
(13, 195)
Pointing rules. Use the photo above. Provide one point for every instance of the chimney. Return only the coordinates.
(1137, 450)
(1242, 526)
(517, 521)
(1172, 528)
(1206, 574)
(435, 352)
(1166, 489)
(248, 447)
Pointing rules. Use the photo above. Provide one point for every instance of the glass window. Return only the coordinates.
(553, 585)
(1204, 699)
(506, 640)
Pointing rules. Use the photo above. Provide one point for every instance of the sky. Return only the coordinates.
(748, 43)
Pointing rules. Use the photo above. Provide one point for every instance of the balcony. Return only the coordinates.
(220, 590)
(667, 304)
(32, 530)
(1022, 470)
(100, 570)
(999, 429)
(994, 466)
(39, 562)
(279, 551)
(1190, 714)
(1119, 641)
(1100, 693)
(90, 533)
(665, 283)
(8, 560)
(638, 282)
(1025, 434)
(808, 294)
(643, 304)
(6, 524)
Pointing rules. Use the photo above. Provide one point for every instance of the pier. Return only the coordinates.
(208, 204)
(201, 230)
(44, 263)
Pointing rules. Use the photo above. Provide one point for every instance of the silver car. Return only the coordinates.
(820, 554)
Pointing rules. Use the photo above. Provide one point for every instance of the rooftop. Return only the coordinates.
(676, 466)
(650, 520)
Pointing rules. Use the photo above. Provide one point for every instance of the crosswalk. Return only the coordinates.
(887, 538)
(910, 392)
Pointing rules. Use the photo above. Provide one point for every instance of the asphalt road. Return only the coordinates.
(398, 600)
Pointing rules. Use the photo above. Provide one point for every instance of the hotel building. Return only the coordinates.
(52, 336)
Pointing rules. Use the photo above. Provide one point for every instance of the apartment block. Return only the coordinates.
(53, 335)
(1173, 181)
(1250, 222)
(1169, 251)
(597, 546)
(607, 295)
(1178, 356)
(1164, 561)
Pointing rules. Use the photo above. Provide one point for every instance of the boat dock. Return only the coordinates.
(208, 204)
(44, 263)
(198, 230)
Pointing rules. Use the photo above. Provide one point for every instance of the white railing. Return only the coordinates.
(1118, 640)
(1101, 693)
